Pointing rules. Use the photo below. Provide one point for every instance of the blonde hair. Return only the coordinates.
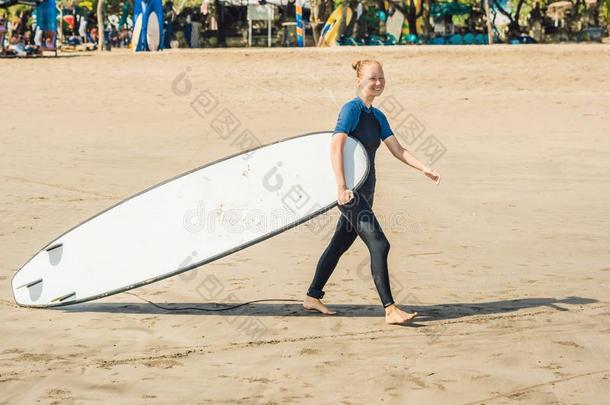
(359, 65)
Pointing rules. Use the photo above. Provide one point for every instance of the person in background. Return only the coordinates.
(82, 28)
(169, 17)
(188, 29)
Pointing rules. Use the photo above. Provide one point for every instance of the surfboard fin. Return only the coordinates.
(31, 283)
(53, 247)
(64, 297)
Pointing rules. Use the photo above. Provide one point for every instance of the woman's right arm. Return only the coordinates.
(344, 195)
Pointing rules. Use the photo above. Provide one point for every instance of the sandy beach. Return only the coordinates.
(507, 260)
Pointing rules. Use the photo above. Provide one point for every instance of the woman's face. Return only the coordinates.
(372, 81)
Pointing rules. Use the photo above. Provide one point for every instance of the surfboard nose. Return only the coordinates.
(29, 285)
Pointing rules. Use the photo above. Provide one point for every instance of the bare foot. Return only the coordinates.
(396, 316)
(315, 304)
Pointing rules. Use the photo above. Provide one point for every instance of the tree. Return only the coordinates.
(514, 29)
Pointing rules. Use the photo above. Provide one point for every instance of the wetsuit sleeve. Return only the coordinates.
(386, 131)
(348, 119)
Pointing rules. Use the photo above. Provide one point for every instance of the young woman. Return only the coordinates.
(360, 120)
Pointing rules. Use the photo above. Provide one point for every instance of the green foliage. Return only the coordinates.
(111, 6)
(116, 7)
(15, 11)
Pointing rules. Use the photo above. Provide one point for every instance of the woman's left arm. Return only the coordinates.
(406, 157)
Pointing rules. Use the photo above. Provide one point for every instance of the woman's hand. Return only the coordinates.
(436, 178)
(344, 195)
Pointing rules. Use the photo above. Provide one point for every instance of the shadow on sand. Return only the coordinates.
(426, 312)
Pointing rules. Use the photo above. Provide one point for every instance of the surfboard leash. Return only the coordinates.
(165, 308)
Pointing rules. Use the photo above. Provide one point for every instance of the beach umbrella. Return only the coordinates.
(558, 9)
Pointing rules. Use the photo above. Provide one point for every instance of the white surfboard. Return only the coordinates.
(189, 220)
(137, 31)
(153, 34)
(394, 24)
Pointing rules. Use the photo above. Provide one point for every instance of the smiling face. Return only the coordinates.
(371, 81)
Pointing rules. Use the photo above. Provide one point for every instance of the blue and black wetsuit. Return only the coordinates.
(369, 126)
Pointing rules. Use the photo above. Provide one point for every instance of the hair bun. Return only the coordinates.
(359, 65)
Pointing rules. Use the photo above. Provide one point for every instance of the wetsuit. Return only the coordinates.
(369, 126)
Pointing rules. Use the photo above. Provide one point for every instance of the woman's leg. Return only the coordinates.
(342, 239)
(357, 218)
(362, 220)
